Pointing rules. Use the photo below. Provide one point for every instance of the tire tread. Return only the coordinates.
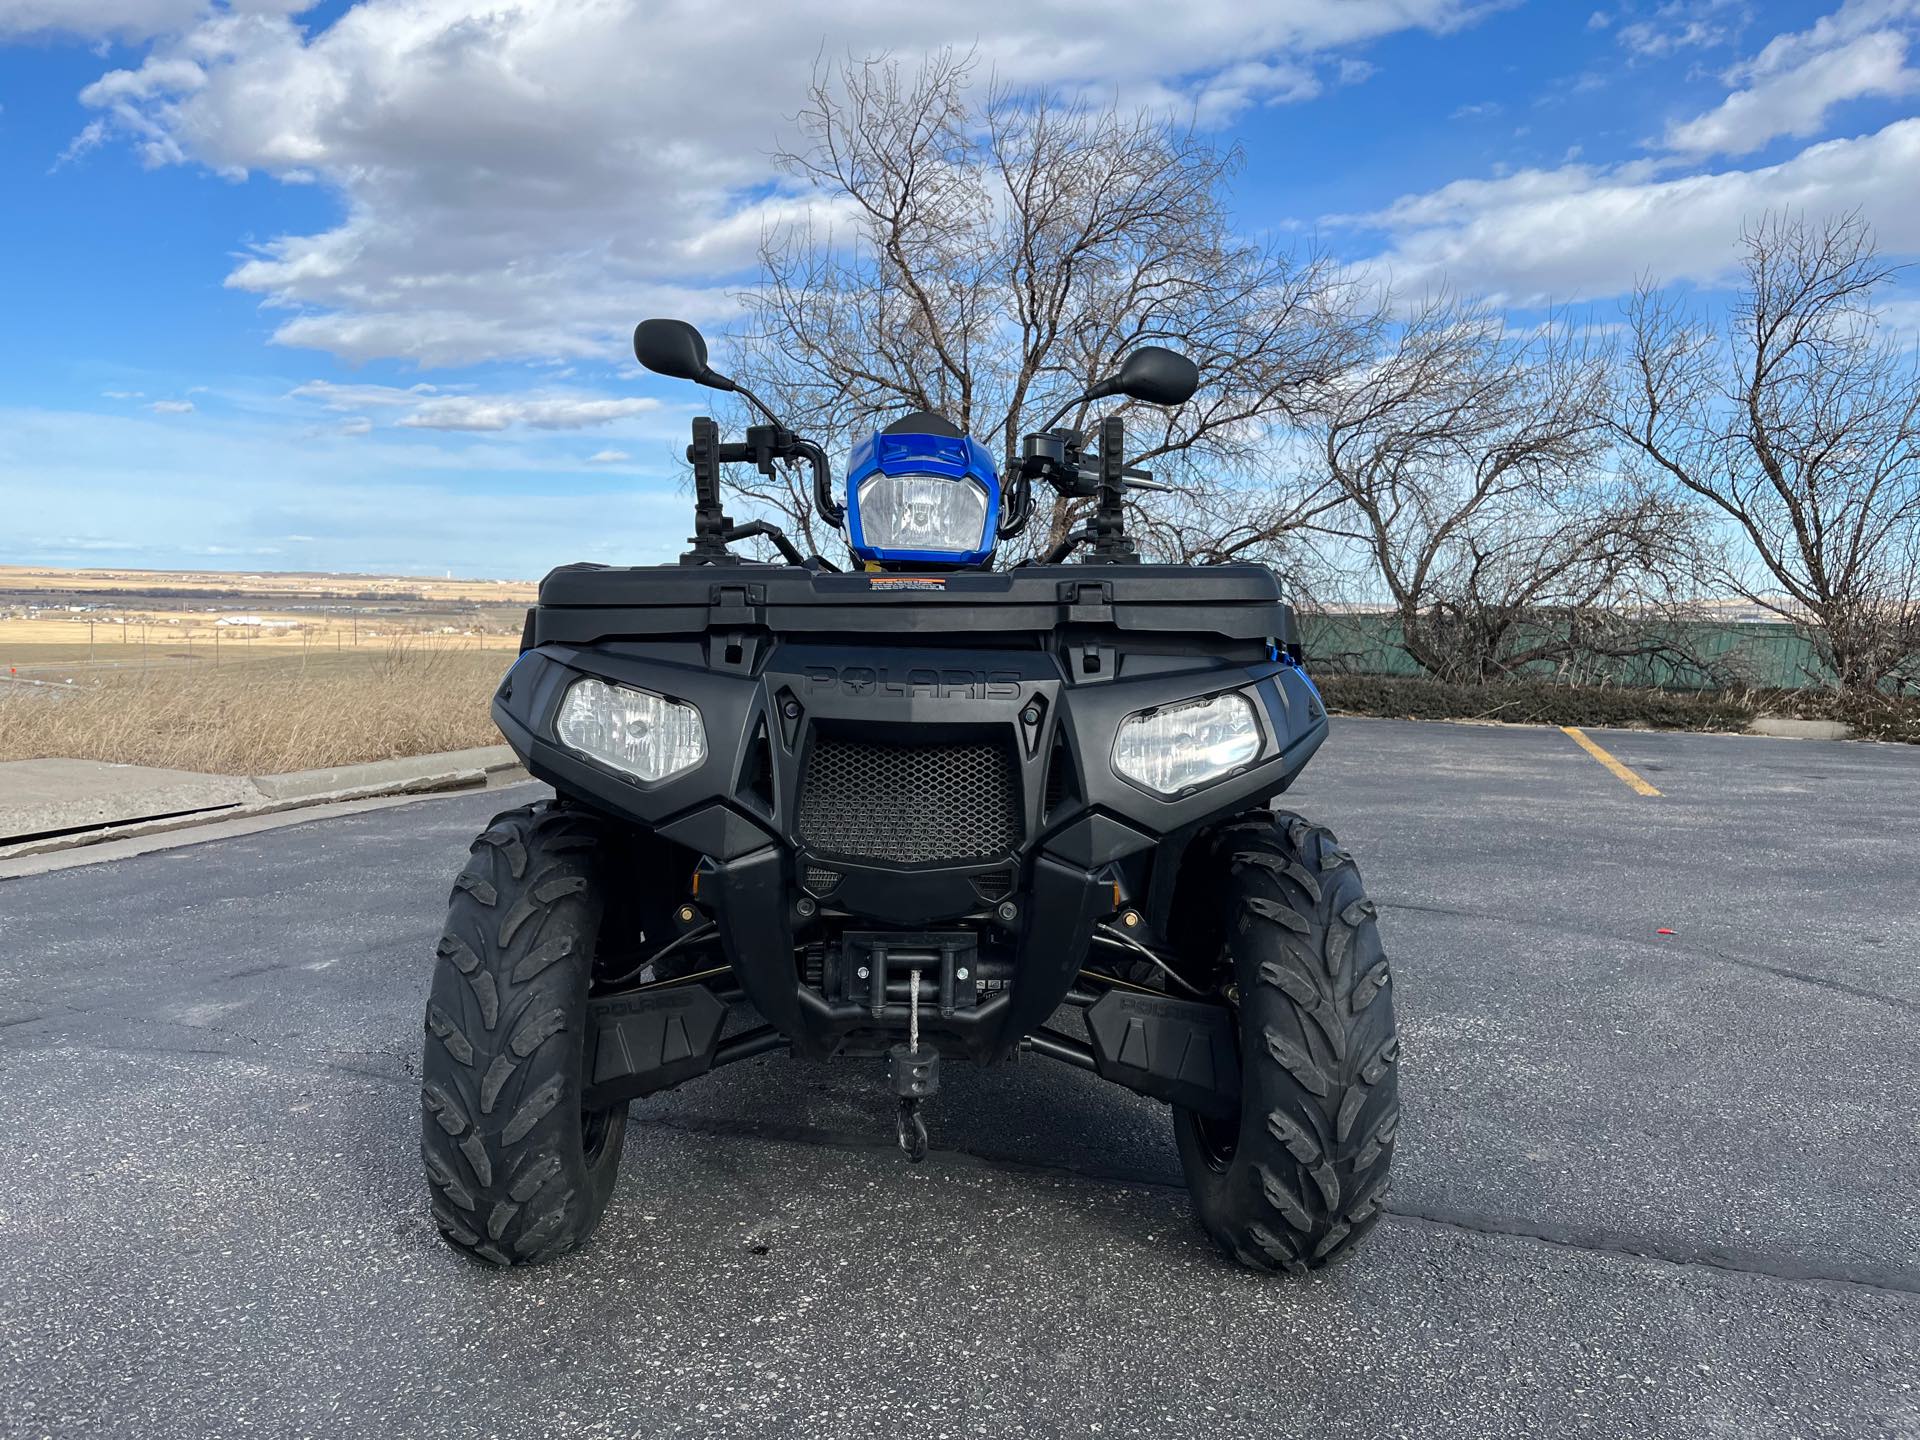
(510, 1179)
(1319, 1057)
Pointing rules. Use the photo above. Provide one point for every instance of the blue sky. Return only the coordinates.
(347, 286)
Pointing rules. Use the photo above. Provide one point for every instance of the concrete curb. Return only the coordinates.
(1783, 728)
(487, 766)
(449, 770)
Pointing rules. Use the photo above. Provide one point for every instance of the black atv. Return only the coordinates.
(923, 810)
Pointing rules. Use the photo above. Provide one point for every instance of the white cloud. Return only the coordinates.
(526, 180)
(540, 412)
(1681, 25)
(124, 394)
(430, 408)
(99, 19)
(1902, 318)
(1581, 232)
(1795, 100)
(608, 457)
(359, 397)
(172, 407)
(1829, 32)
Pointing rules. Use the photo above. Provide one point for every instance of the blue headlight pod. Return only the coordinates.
(910, 457)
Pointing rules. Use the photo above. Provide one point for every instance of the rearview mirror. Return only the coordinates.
(675, 348)
(1157, 375)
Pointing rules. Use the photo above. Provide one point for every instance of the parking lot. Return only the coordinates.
(1648, 1184)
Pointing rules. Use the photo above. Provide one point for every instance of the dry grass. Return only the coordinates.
(266, 717)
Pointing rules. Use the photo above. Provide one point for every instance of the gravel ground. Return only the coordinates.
(1647, 1184)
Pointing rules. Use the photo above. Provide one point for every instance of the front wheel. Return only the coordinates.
(1297, 1178)
(518, 1168)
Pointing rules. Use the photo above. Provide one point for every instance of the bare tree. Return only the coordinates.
(1470, 468)
(988, 254)
(1799, 427)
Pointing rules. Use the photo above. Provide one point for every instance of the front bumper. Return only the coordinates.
(1076, 850)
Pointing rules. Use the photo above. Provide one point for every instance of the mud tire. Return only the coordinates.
(518, 1170)
(1297, 1182)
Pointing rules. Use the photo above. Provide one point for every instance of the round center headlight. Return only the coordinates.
(922, 515)
(1194, 743)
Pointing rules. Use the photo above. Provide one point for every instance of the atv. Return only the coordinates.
(921, 811)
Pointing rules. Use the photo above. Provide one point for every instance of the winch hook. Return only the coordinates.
(914, 1072)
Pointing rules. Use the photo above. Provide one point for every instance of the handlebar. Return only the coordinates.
(831, 510)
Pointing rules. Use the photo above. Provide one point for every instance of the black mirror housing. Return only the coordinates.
(1158, 376)
(676, 349)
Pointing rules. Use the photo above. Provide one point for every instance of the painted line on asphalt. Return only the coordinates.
(1621, 773)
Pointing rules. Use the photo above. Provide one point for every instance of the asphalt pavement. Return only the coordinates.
(1647, 1184)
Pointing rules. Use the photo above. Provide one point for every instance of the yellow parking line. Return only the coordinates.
(1621, 772)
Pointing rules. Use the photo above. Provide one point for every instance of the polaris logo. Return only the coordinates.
(865, 680)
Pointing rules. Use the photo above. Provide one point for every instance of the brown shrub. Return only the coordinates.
(1544, 702)
(1538, 703)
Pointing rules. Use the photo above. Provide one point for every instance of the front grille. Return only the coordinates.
(909, 803)
(994, 885)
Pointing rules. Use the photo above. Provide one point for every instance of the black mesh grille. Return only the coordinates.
(909, 803)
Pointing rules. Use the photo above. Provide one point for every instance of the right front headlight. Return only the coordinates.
(646, 735)
(1193, 743)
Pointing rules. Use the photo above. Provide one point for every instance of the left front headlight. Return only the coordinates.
(646, 735)
(1190, 744)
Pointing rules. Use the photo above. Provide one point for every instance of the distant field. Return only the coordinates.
(261, 716)
(45, 579)
(33, 658)
(248, 673)
(62, 624)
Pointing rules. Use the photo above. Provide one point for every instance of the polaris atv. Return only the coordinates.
(924, 811)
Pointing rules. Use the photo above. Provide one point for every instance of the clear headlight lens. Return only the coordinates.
(932, 513)
(646, 735)
(1188, 744)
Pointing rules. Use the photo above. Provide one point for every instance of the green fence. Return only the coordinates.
(1773, 656)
